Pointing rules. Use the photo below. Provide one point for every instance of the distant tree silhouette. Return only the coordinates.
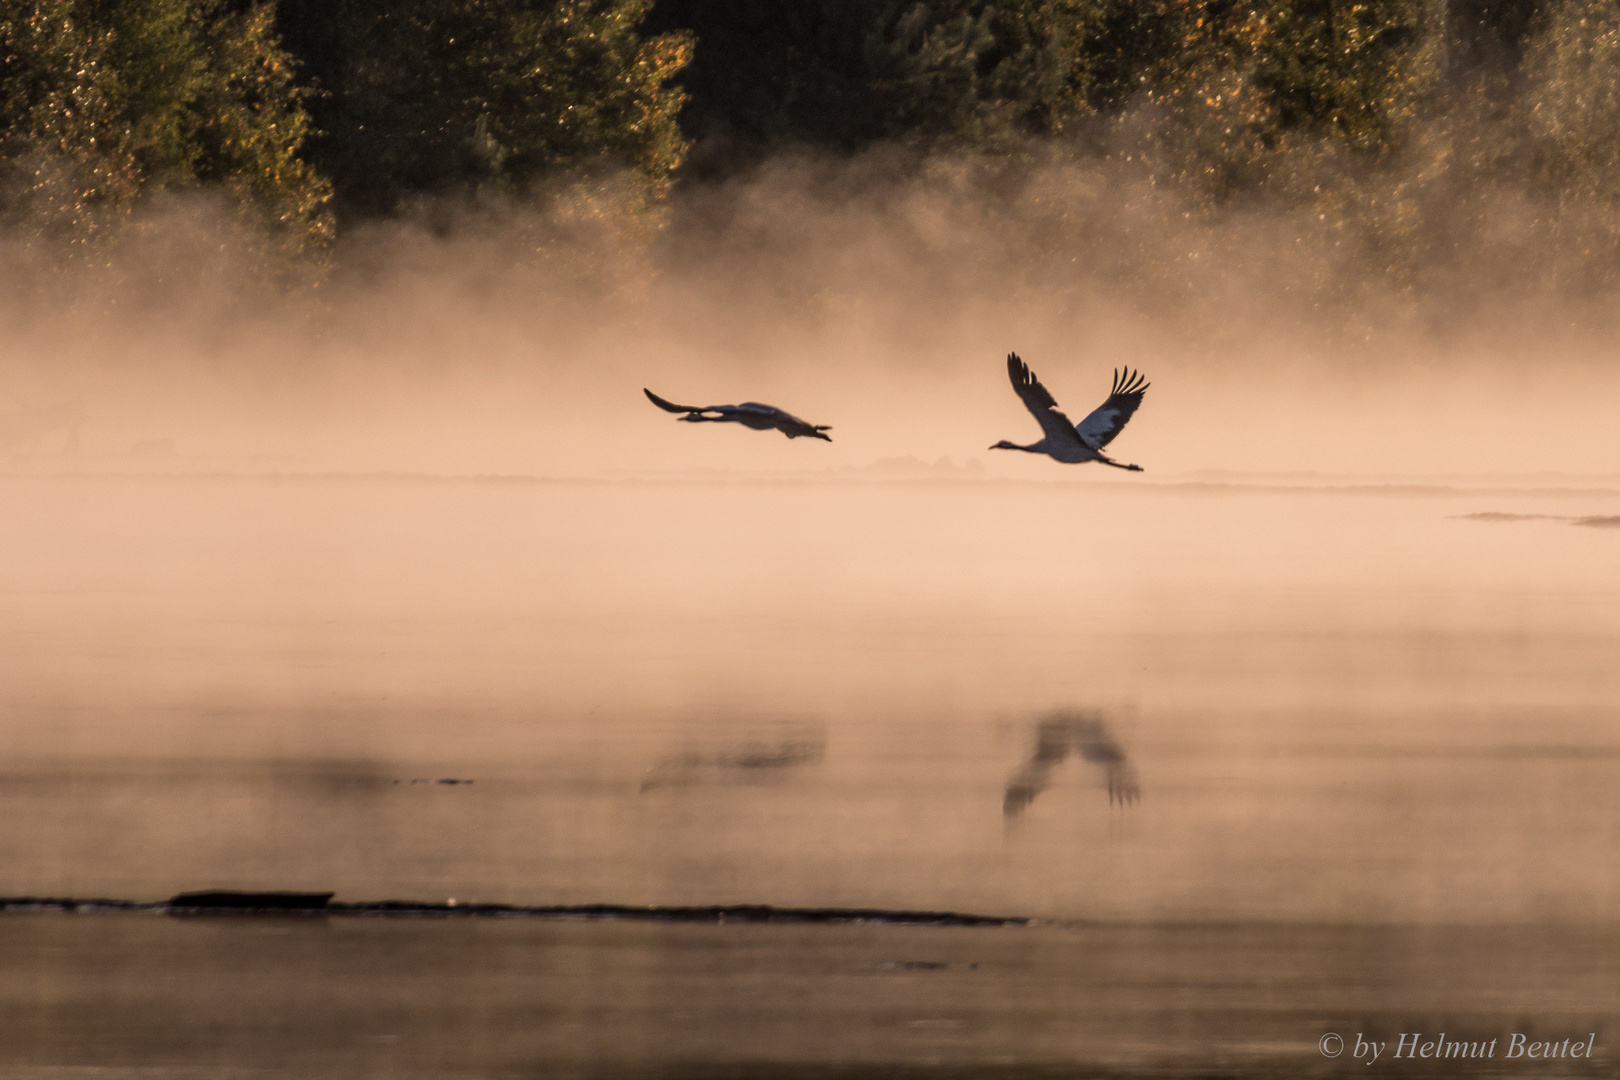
(846, 73)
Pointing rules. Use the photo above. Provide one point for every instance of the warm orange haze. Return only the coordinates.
(1309, 727)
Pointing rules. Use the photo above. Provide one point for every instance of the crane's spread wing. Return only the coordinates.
(1097, 745)
(1038, 400)
(669, 406)
(765, 410)
(1059, 734)
(1099, 429)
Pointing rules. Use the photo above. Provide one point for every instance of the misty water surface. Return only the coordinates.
(1341, 704)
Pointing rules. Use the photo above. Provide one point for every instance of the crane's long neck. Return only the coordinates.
(1032, 448)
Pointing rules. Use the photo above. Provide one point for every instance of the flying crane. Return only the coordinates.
(749, 414)
(1075, 443)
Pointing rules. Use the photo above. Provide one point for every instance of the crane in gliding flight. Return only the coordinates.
(749, 414)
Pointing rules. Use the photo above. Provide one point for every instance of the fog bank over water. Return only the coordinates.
(515, 339)
(1354, 708)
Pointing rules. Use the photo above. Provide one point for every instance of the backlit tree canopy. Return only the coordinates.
(1391, 113)
(104, 100)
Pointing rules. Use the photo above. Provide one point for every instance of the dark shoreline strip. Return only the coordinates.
(280, 904)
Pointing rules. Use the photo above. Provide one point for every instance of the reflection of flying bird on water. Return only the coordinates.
(749, 414)
(758, 759)
(1056, 737)
(1075, 443)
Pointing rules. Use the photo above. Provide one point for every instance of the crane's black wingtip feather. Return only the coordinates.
(1127, 381)
(667, 406)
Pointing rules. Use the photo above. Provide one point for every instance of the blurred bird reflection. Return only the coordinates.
(1058, 735)
(745, 760)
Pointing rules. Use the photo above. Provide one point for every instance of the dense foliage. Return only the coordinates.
(104, 100)
(1243, 77)
(438, 95)
(1399, 129)
(1238, 86)
(844, 73)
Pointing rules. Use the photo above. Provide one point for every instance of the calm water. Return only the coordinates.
(151, 996)
(1346, 708)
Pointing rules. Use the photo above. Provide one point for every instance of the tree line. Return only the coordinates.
(309, 113)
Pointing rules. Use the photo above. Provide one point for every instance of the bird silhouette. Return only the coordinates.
(749, 414)
(1075, 443)
(1056, 737)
